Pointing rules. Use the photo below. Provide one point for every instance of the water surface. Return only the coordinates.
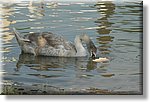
(115, 28)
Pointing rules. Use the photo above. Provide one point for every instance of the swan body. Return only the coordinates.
(49, 44)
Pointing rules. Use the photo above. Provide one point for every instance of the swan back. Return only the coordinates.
(52, 44)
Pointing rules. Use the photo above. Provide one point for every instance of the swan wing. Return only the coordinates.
(57, 41)
(56, 45)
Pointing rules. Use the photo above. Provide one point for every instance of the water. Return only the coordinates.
(114, 27)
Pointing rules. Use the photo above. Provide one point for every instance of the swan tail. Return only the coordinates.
(20, 40)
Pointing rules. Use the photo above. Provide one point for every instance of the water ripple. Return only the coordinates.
(115, 28)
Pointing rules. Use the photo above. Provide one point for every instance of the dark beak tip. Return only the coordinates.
(93, 55)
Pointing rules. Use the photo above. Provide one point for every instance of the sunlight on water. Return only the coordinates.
(116, 29)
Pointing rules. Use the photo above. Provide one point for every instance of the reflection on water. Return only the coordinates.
(42, 63)
(36, 11)
(114, 27)
(106, 9)
(6, 22)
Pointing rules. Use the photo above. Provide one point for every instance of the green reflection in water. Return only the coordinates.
(105, 9)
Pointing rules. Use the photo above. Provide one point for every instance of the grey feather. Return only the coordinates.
(49, 44)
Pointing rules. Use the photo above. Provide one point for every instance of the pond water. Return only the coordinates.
(115, 28)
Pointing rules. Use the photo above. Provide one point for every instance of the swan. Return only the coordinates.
(49, 44)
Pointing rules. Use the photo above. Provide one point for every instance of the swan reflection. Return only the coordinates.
(80, 66)
(44, 63)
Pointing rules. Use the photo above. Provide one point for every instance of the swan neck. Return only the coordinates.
(79, 47)
(89, 43)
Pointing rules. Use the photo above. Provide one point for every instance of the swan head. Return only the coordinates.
(92, 50)
(90, 45)
(93, 54)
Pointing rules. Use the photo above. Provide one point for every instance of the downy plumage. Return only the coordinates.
(49, 44)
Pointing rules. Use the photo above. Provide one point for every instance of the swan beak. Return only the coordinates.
(93, 54)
